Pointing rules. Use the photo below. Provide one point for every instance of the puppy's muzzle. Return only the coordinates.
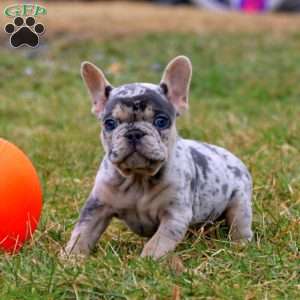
(134, 136)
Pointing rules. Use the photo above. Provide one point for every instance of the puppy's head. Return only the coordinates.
(138, 119)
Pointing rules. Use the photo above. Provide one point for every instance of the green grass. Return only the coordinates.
(245, 96)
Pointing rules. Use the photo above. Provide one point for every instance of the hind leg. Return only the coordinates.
(239, 217)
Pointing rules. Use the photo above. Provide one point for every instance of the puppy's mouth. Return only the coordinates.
(137, 163)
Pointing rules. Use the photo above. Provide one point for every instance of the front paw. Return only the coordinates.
(148, 251)
(75, 249)
(158, 247)
(65, 256)
(241, 236)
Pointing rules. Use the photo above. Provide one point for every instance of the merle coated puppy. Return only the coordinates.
(155, 181)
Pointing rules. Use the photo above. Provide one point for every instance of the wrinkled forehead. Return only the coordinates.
(136, 102)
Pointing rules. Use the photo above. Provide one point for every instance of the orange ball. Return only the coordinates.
(20, 198)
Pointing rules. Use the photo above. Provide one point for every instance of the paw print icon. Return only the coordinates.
(24, 33)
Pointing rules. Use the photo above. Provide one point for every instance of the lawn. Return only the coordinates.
(245, 96)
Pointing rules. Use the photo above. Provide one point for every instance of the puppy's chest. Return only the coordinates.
(140, 206)
(142, 223)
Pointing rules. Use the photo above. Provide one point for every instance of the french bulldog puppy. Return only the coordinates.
(155, 181)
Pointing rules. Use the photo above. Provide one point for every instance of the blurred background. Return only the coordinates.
(100, 19)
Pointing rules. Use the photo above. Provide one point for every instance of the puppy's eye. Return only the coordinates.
(161, 122)
(110, 124)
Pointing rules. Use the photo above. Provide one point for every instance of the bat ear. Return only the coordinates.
(97, 85)
(176, 82)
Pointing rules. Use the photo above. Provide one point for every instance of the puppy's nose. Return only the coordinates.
(134, 135)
